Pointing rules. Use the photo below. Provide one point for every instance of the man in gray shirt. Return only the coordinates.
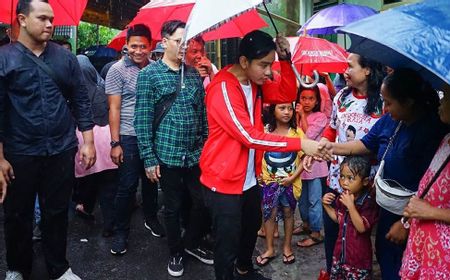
(121, 90)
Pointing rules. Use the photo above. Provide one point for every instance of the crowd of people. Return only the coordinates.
(234, 151)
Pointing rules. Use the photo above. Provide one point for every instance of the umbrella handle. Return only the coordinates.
(303, 83)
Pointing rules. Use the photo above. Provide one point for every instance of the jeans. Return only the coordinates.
(51, 177)
(174, 182)
(236, 220)
(130, 171)
(389, 255)
(310, 203)
(331, 230)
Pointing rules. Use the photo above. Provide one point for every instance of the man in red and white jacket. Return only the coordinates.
(231, 157)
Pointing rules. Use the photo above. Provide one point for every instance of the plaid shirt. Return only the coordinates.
(179, 139)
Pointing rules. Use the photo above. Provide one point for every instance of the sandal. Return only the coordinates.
(301, 231)
(263, 261)
(290, 259)
(314, 240)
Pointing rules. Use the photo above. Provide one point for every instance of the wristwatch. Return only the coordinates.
(114, 143)
(405, 222)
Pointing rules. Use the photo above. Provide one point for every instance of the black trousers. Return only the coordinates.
(236, 220)
(51, 177)
(102, 185)
(174, 182)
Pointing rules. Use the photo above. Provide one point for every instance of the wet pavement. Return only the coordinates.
(89, 256)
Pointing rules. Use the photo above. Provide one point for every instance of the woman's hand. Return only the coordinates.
(397, 234)
(418, 208)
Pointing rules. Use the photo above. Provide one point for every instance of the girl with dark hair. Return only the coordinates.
(281, 183)
(359, 104)
(313, 122)
(411, 106)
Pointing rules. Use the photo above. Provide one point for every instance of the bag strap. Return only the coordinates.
(165, 109)
(436, 175)
(46, 68)
(404, 220)
(391, 140)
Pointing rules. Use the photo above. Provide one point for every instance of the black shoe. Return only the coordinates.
(202, 254)
(175, 266)
(252, 274)
(154, 227)
(119, 246)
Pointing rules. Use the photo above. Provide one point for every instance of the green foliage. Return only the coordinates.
(89, 35)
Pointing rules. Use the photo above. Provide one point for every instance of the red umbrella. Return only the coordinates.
(155, 13)
(312, 53)
(67, 12)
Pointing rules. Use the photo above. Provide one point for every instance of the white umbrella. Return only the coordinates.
(208, 15)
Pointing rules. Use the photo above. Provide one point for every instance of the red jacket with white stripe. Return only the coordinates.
(224, 158)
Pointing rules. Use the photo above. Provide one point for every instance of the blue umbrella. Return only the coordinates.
(327, 20)
(415, 36)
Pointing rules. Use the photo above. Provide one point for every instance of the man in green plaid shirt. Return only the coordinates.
(171, 152)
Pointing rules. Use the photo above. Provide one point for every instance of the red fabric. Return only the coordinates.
(318, 54)
(427, 254)
(154, 17)
(356, 247)
(67, 12)
(329, 133)
(225, 155)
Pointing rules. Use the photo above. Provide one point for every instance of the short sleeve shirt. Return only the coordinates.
(351, 123)
(121, 80)
(352, 247)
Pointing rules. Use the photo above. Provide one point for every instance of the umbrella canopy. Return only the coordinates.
(67, 12)
(237, 27)
(155, 13)
(208, 15)
(327, 20)
(318, 54)
(311, 54)
(414, 36)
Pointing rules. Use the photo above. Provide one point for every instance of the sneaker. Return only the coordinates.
(175, 266)
(202, 254)
(250, 275)
(69, 275)
(13, 275)
(154, 227)
(119, 246)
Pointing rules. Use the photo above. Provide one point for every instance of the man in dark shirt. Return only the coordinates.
(37, 139)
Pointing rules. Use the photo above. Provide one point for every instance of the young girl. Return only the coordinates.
(281, 183)
(313, 122)
(356, 213)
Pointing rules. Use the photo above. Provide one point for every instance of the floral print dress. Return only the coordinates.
(427, 255)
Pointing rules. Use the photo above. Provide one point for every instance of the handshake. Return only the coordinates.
(316, 151)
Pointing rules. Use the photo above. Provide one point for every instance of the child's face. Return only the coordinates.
(350, 182)
(308, 100)
(284, 112)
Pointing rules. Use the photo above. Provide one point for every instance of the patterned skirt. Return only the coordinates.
(341, 271)
(272, 192)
